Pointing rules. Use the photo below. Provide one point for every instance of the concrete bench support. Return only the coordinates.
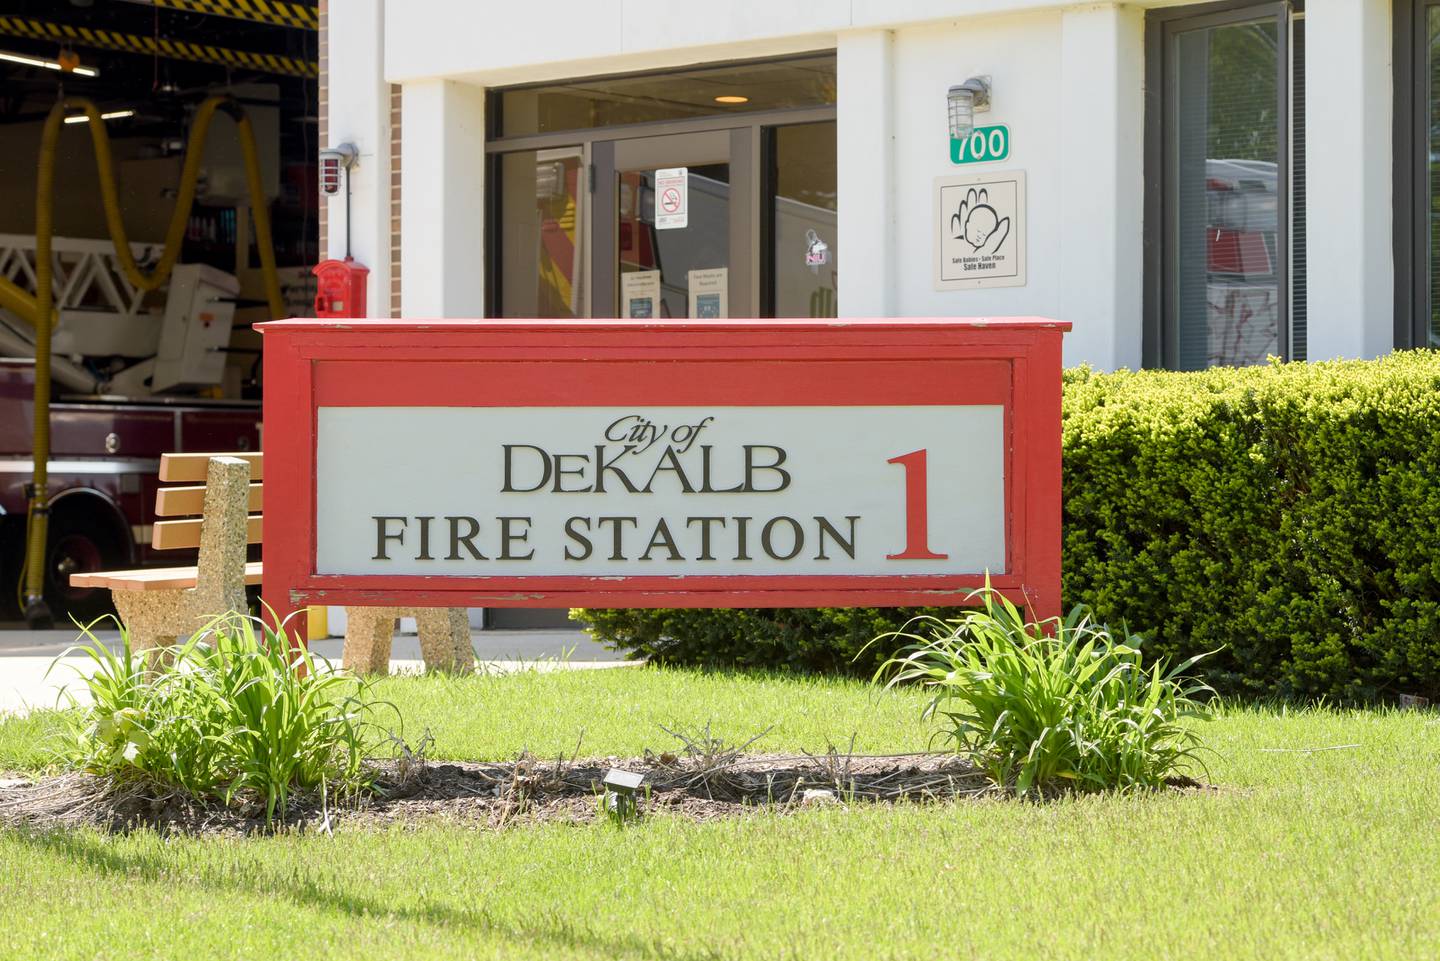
(444, 638)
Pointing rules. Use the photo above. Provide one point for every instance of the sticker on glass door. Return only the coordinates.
(640, 294)
(708, 293)
(672, 198)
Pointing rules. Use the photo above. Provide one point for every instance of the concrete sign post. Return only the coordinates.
(661, 464)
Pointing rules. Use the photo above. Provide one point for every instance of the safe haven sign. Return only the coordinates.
(634, 463)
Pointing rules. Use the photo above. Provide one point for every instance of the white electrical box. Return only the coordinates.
(198, 315)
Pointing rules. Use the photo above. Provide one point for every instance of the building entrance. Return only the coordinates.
(705, 194)
(673, 227)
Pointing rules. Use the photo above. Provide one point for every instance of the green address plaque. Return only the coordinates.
(982, 146)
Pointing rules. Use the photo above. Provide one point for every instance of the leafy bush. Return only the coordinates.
(832, 640)
(235, 715)
(1288, 515)
(1056, 704)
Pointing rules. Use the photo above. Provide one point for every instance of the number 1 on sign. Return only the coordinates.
(917, 509)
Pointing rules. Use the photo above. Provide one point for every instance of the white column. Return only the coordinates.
(1348, 105)
(442, 193)
(1102, 183)
(865, 173)
(360, 114)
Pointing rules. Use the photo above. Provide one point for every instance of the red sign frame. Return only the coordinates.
(1014, 362)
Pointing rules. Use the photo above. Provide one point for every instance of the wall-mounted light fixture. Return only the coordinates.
(333, 162)
(965, 100)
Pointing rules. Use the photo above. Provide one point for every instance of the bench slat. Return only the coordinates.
(190, 468)
(185, 501)
(171, 535)
(154, 578)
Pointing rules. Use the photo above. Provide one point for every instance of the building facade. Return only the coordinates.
(1190, 185)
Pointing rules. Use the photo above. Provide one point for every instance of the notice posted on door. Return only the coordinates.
(980, 239)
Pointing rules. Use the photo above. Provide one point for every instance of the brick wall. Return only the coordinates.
(323, 105)
(394, 200)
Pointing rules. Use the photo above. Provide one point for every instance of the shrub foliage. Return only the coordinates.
(1063, 704)
(234, 715)
(1288, 515)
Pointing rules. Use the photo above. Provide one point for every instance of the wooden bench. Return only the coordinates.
(221, 517)
(157, 605)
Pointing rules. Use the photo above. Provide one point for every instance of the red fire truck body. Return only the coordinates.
(104, 459)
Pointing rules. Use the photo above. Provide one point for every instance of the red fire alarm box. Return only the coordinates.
(340, 288)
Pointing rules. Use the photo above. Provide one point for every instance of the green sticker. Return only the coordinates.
(983, 145)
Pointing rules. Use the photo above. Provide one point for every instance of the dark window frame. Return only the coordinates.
(494, 98)
(1159, 346)
(1410, 186)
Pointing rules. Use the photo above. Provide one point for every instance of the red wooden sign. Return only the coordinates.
(661, 464)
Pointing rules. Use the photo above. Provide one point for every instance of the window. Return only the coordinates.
(571, 178)
(733, 88)
(1417, 173)
(1224, 189)
(804, 244)
(542, 233)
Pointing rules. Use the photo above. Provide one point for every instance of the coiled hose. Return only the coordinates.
(43, 314)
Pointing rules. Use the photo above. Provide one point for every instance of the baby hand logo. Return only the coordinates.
(980, 231)
(977, 223)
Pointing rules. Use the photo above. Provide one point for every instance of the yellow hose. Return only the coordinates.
(42, 313)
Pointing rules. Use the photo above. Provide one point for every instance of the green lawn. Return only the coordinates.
(1330, 854)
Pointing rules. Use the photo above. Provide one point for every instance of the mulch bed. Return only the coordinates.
(412, 791)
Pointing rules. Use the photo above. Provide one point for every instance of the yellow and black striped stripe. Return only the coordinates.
(277, 12)
(161, 46)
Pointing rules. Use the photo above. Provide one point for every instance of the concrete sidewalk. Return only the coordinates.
(26, 657)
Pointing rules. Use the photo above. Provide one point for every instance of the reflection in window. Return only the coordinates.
(1228, 268)
(733, 88)
(1432, 24)
(703, 244)
(805, 240)
(542, 223)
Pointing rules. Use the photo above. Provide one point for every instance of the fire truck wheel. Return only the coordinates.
(79, 542)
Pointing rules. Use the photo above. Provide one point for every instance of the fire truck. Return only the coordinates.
(130, 380)
(165, 156)
(105, 452)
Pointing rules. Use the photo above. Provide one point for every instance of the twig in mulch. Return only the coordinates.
(709, 758)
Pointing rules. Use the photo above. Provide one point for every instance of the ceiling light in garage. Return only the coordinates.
(112, 115)
(46, 64)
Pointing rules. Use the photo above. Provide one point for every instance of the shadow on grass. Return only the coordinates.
(92, 853)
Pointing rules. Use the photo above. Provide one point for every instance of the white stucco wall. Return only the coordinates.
(1348, 179)
(359, 114)
(1068, 80)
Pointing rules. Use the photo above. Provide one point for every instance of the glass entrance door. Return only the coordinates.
(674, 232)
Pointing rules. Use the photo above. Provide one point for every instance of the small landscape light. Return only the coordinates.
(732, 98)
(620, 788)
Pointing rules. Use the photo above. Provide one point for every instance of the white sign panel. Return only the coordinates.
(599, 491)
(672, 198)
(980, 240)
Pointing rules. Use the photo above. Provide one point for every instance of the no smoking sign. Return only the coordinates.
(672, 198)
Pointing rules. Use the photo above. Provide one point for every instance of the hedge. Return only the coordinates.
(1287, 516)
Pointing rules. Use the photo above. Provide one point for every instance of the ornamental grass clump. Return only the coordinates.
(235, 714)
(1055, 705)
